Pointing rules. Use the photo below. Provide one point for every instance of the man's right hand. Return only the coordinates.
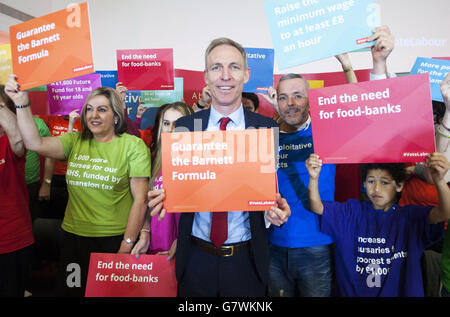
(155, 203)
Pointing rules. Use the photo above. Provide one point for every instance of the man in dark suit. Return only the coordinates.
(238, 264)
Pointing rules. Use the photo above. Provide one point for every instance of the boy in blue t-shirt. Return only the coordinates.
(378, 243)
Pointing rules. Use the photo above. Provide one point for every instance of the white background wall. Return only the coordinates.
(187, 26)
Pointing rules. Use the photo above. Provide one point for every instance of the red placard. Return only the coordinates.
(125, 275)
(146, 69)
(387, 120)
(53, 47)
(193, 84)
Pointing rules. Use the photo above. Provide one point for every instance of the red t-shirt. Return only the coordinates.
(146, 135)
(15, 221)
(58, 126)
(418, 192)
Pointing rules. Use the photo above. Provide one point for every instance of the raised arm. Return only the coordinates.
(346, 64)
(45, 189)
(314, 166)
(439, 165)
(45, 146)
(73, 116)
(204, 100)
(8, 122)
(384, 44)
(271, 97)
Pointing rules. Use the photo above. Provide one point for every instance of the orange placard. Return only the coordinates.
(53, 47)
(219, 170)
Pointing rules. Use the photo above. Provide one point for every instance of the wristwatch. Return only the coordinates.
(48, 180)
(128, 240)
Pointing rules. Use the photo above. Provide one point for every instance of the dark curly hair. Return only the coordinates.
(396, 170)
(253, 97)
(438, 111)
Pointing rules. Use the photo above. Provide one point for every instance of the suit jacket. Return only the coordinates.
(259, 243)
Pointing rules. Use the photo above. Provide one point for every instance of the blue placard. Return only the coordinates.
(437, 69)
(303, 31)
(132, 100)
(260, 62)
(108, 78)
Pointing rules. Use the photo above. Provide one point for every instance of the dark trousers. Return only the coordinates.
(74, 261)
(33, 199)
(14, 272)
(208, 275)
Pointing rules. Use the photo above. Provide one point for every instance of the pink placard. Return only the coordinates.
(146, 69)
(387, 120)
(125, 275)
(70, 94)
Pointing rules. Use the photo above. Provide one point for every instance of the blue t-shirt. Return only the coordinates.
(378, 253)
(303, 227)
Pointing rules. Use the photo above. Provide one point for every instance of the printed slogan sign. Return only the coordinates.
(108, 78)
(68, 95)
(126, 275)
(219, 170)
(303, 31)
(193, 83)
(372, 121)
(437, 69)
(151, 100)
(53, 47)
(260, 63)
(146, 69)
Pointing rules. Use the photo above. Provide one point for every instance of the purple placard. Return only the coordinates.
(68, 95)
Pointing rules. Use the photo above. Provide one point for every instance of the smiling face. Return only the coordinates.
(100, 117)
(225, 75)
(381, 189)
(293, 101)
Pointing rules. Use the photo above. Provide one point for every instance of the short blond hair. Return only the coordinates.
(225, 41)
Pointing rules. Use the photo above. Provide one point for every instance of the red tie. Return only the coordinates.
(219, 222)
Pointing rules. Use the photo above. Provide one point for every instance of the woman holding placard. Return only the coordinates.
(160, 236)
(107, 180)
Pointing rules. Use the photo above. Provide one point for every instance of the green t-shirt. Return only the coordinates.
(33, 163)
(98, 182)
(445, 261)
